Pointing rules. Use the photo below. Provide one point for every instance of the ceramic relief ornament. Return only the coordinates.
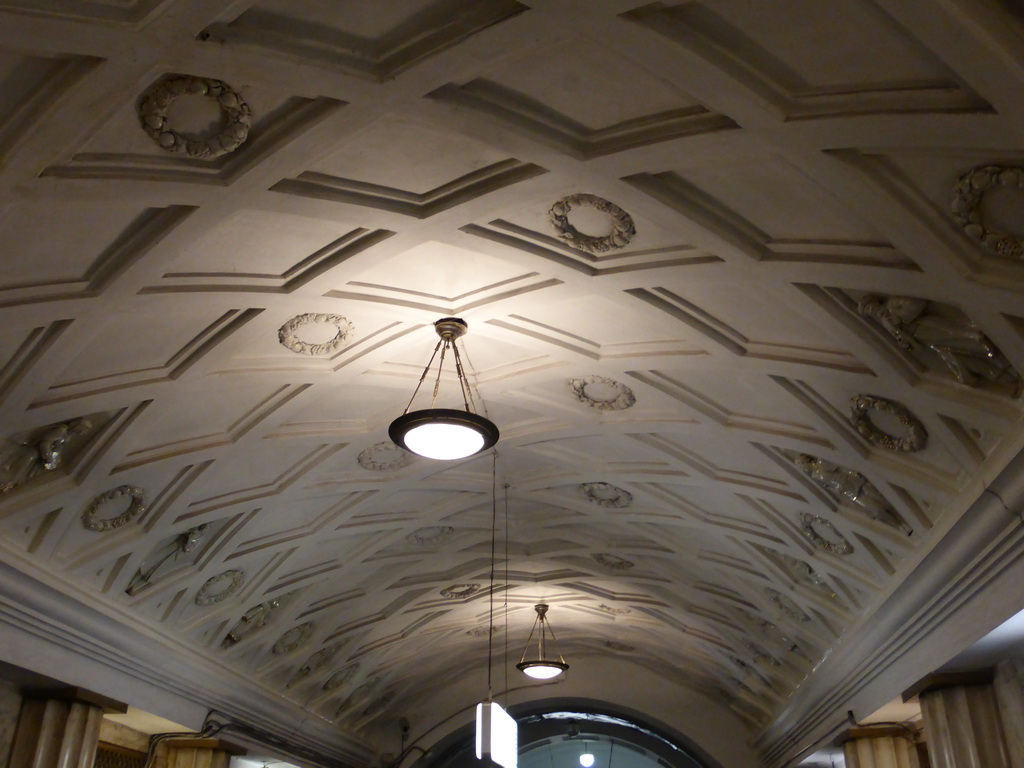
(846, 484)
(290, 338)
(163, 557)
(384, 457)
(252, 621)
(613, 562)
(939, 335)
(220, 587)
(136, 506)
(37, 453)
(156, 103)
(459, 591)
(967, 198)
(914, 437)
(602, 393)
(606, 495)
(293, 638)
(621, 228)
(832, 541)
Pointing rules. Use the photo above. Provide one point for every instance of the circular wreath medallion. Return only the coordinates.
(136, 506)
(287, 334)
(220, 587)
(293, 638)
(967, 207)
(457, 591)
(432, 534)
(383, 457)
(614, 562)
(622, 229)
(606, 495)
(342, 676)
(619, 397)
(786, 604)
(835, 542)
(860, 409)
(157, 100)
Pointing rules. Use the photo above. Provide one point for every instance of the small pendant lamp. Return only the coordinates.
(539, 666)
(444, 433)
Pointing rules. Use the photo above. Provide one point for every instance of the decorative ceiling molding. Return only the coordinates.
(419, 205)
(410, 41)
(546, 124)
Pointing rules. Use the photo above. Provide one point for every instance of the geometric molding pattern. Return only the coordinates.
(129, 12)
(920, 365)
(42, 82)
(295, 277)
(906, 194)
(674, 192)
(590, 264)
(533, 118)
(701, 31)
(588, 348)
(721, 415)
(314, 528)
(145, 232)
(268, 136)
(480, 296)
(736, 342)
(726, 477)
(410, 41)
(188, 355)
(261, 411)
(35, 344)
(266, 490)
(419, 205)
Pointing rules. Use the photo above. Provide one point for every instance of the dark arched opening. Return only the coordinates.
(555, 733)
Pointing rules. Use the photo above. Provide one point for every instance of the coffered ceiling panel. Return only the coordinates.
(742, 283)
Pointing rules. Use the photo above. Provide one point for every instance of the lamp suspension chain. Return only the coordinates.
(423, 376)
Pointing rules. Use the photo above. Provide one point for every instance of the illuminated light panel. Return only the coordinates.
(497, 735)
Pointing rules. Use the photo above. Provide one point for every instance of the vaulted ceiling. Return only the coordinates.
(743, 286)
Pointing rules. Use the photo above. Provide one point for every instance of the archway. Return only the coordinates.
(555, 733)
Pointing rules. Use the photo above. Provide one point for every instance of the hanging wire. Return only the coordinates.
(505, 657)
(494, 536)
(440, 369)
(467, 393)
(423, 375)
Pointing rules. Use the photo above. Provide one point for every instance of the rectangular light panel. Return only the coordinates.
(497, 735)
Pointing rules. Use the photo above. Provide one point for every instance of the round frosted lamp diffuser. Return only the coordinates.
(586, 760)
(443, 433)
(542, 670)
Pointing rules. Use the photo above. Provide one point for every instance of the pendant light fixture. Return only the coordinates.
(444, 433)
(539, 666)
(587, 757)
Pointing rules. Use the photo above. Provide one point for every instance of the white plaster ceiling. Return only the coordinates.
(780, 162)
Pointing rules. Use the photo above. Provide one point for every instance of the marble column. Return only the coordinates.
(880, 747)
(963, 722)
(59, 728)
(200, 753)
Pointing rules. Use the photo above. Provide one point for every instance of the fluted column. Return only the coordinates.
(200, 753)
(964, 726)
(59, 728)
(880, 747)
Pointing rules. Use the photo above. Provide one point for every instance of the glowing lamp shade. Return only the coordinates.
(586, 760)
(542, 670)
(497, 735)
(537, 662)
(443, 433)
